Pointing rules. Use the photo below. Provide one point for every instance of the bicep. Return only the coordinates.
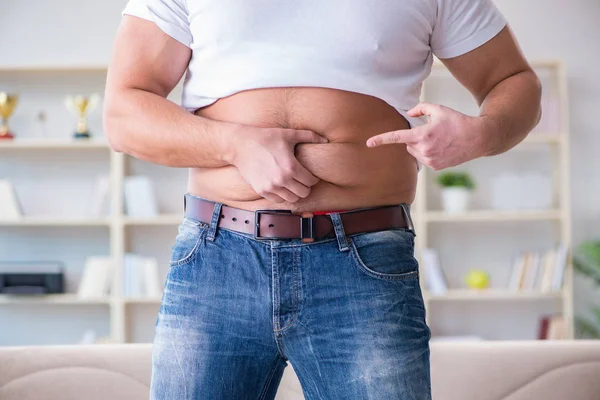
(146, 58)
(481, 69)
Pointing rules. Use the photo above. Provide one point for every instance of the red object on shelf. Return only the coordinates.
(544, 328)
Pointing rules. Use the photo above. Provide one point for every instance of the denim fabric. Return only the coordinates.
(346, 312)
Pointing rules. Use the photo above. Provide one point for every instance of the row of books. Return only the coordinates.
(539, 271)
(138, 190)
(140, 277)
(139, 195)
(536, 271)
(553, 328)
(10, 208)
(430, 266)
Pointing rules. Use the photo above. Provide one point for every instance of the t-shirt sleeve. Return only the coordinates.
(463, 25)
(169, 15)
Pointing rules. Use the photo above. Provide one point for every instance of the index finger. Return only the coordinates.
(401, 136)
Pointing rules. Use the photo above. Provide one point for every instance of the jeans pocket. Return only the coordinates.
(387, 255)
(188, 241)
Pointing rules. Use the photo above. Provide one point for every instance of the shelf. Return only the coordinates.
(54, 144)
(493, 215)
(165, 219)
(493, 294)
(64, 299)
(143, 300)
(56, 222)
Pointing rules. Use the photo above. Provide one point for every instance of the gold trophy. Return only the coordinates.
(81, 106)
(8, 103)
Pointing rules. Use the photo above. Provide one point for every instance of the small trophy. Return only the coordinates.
(81, 106)
(8, 103)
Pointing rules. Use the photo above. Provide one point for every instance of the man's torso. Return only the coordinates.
(352, 175)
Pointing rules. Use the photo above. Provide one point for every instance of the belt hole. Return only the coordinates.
(271, 225)
(234, 219)
(222, 216)
(246, 221)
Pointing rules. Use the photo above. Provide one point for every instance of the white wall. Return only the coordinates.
(46, 32)
(569, 30)
(58, 31)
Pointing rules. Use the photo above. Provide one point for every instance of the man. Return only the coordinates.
(311, 107)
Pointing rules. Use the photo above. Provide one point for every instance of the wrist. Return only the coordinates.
(230, 141)
(491, 135)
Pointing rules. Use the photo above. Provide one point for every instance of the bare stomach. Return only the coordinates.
(351, 174)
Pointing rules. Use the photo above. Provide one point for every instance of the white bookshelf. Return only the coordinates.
(514, 225)
(492, 216)
(494, 295)
(74, 238)
(143, 300)
(164, 219)
(56, 222)
(53, 144)
(64, 299)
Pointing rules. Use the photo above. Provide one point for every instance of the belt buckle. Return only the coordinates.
(257, 215)
(307, 227)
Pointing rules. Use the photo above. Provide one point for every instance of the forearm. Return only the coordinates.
(511, 110)
(152, 128)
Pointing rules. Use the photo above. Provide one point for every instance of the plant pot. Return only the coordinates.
(455, 199)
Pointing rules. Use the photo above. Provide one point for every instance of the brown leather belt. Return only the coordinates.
(283, 224)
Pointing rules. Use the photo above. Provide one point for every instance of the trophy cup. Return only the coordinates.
(81, 106)
(8, 103)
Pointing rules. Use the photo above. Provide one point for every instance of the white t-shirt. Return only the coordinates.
(382, 48)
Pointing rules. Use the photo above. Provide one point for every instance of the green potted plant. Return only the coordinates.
(586, 261)
(456, 190)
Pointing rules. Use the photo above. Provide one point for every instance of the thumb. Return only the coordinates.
(422, 109)
(304, 136)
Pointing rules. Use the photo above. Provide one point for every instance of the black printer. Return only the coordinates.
(31, 278)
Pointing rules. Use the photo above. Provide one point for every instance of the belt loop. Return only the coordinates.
(336, 220)
(214, 222)
(409, 221)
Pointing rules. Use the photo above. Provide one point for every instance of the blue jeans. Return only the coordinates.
(346, 312)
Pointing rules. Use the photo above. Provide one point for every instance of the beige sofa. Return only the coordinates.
(560, 370)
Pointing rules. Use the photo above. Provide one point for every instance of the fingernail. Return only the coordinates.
(370, 143)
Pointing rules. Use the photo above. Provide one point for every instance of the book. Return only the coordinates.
(99, 198)
(517, 273)
(97, 277)
(141, 277)
(152, 286)
(434, 277)
(543, 329)
(527, 257)
(559, 266)
(557, 328)
(532, 271)
(132, 275)
(10, 209)
(139, 197)
(547, 272)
